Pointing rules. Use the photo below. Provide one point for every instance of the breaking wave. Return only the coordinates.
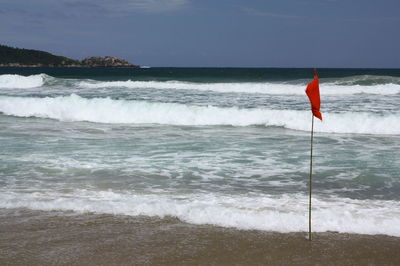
(367, 84)
(364, 80)
(286, 213)
(107, 110)
(11, 81)
(249, 87)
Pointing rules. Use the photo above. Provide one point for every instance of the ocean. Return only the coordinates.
(226, 147)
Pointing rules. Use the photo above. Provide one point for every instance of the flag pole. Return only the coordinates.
(312, 92)
(310, 180)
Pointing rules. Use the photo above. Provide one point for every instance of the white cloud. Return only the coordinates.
(256, 12)
(156, 5)
(126, 6)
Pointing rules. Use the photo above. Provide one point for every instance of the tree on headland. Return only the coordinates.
(16, 57)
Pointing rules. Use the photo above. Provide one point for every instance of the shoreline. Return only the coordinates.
(40, 237)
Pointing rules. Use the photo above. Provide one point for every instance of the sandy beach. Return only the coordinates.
(56, 238)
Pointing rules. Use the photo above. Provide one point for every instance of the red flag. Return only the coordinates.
(312, 92)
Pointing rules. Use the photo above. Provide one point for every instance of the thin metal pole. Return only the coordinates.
(310, 181)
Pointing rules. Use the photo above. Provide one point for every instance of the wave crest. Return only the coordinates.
(365, 80)
(286, 213)
(107, 110)
(245, 87)
(367, 84)
(13, 81)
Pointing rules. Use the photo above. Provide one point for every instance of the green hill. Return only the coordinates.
(16, 57)
(10, 56)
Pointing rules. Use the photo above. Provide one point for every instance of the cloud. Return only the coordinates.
(256, 12)
(156, 5)
(42, 9)
(123, 7)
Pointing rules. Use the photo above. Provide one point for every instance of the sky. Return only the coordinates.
(210, 33)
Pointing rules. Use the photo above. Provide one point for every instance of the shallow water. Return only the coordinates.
(206, 148)
(33, 237)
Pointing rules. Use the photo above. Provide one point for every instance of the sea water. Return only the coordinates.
(226, 147)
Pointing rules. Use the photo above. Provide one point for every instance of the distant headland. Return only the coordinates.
(16, 57)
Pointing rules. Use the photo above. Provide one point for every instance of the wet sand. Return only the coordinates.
(58, 238)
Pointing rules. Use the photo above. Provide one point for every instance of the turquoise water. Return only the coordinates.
(228, 147)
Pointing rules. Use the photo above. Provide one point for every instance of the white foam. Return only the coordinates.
(364, 80)
(10, 81)
(106, 110)
(246, 87)
(286, 213)
(282, 88)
